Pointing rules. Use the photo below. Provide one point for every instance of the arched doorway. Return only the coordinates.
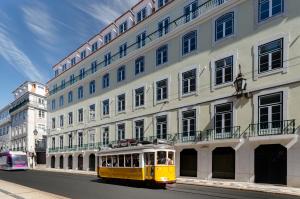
(92, 161)
(188, 163)
(223, 163)
(270, 164)
(80, 162)
(53, 162)
(61, 162)
(70, 162)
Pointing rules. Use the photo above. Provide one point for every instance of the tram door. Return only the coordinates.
(149, 165)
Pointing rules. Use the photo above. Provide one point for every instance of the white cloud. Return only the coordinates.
(17, 58)
(106, 11)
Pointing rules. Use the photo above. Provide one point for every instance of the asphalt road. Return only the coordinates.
(89, 187)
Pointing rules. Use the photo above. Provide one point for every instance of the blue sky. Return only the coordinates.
(36, 34)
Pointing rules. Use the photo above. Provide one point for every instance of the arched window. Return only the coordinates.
(224, 26)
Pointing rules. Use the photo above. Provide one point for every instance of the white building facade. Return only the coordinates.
(5, 128)
(166, 69)
(28, 114)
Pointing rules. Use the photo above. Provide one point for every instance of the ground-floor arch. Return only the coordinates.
(61, 162)
(80, 162)
(52, 161)
(70, 162)
(92, 162)
(270, 164)
(223, 163)
(188, 162)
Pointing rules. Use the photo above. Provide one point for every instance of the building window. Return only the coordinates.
(121, 131)
(81, 73)
(107, 59)
(140, 97)
(162, 90)
(107, 38)
(61, 121)
(92, 138)
(80, 92)
(105, 81)
(121, 73)
(141, 15)
(161, 3)
(123, 27)
(92, 112)
(270, 112)
(189, 124)
(94, 66)
(189, 42)
(163, 27)
(270, 56)
(121, 103)
(105, 136)
(61, 101)
(70, 117)
(72, 79)
(190, 11)
(162, 55)
(223, 118)
(70, 141)
(269, 8)
(139, 65)
(123, 50)
(61, 142)
(80, 115)
(224, 70)
(224, 26)
(70, 96)
(41, 114)
(53, 123)
(92, 87)
(141, 39)
(53, 143)
(80, 139)
(94, 46)
(73, 61)
(105, 107)
(64, 67)
(82, 54)
(161, 127)
(189, 81)
(56, 73)
(53, 104)
(139, 129)
(63, 84)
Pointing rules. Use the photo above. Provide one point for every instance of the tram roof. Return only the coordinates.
(135, 149)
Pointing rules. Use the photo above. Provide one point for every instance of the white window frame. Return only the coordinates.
(180, 111)
(168, 114)
(235, 27)
(101, 134)
(168, 77)
(117, 101)
(145, 97)
(213, 69)
(186, 69)
(285, 64)
(285, 95)
(117, 129)
(133, 125)
(109, 108)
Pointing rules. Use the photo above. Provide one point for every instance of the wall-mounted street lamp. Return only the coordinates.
(240, 84)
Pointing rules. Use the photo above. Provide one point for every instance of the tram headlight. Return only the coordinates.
(164, 179)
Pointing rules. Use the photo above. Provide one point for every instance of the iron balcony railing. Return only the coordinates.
(220, 134)
(186, 137)
(153, 36)
(282, 127)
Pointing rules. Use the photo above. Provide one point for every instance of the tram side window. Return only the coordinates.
(170, 159)
(103, 161)
(109, 161)
(149, 158)
(135, 160)
(161, 157)
(121, 160)
(128, 160)
(115, 161)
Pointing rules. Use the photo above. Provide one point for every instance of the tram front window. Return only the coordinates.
(109, 161)
(161, 157)
(121, 160)
(135, 160)
(127, 160)
(170, 159)
(103, 158)
(115, 161)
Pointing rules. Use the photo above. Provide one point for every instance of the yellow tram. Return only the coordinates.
(144, 163)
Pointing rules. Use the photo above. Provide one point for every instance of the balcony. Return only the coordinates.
(220, 134)
(275, 128)
(172, 26)
(187, 137)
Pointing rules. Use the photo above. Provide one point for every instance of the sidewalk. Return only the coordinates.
(241, 186)
(67, 171)
(14, 191)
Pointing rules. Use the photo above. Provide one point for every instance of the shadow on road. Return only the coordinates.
(131, 183)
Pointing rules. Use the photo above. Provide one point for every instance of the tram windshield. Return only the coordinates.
(161, 157)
